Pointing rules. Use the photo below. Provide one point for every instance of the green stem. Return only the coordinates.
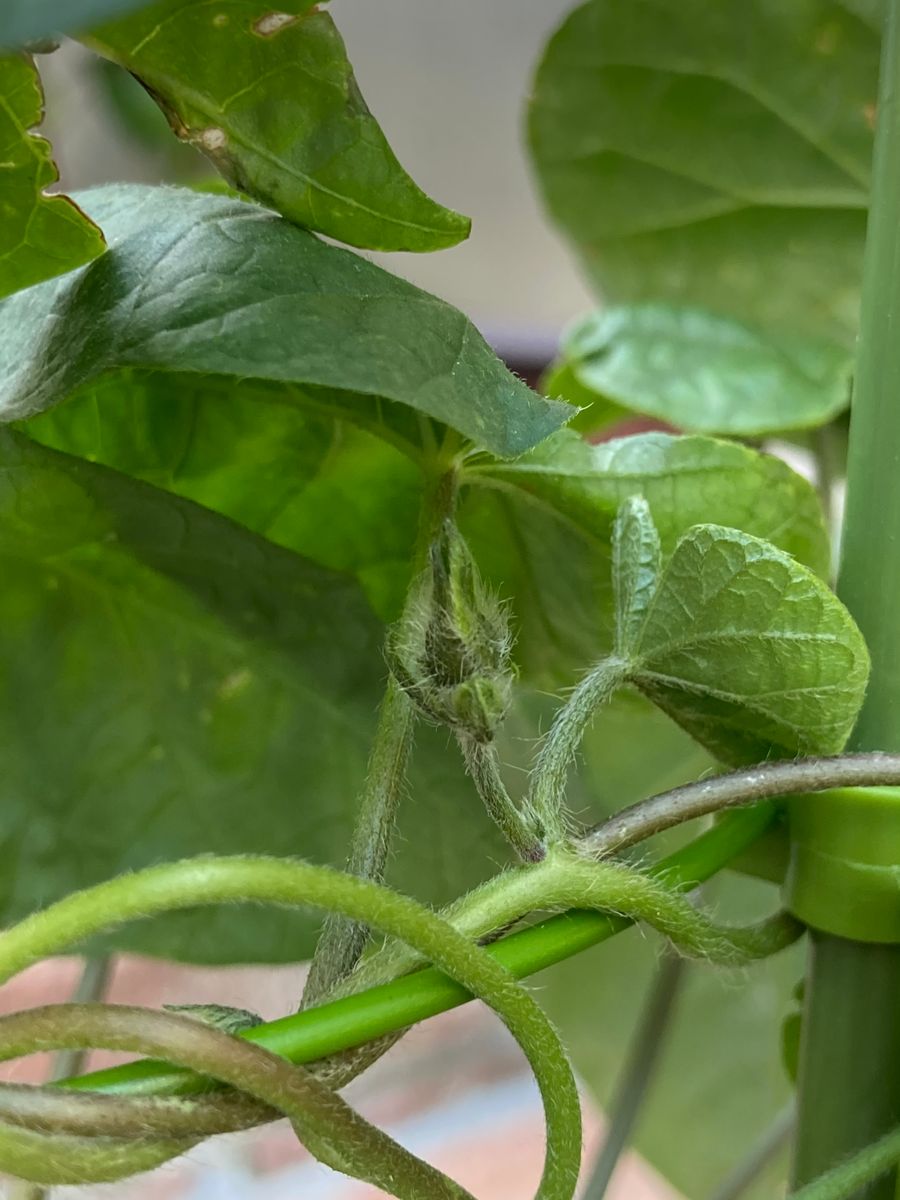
(95, 978)
(342, 942)
(643, 1057)
(842, 1105)
(483, 765)
(323, 1122)
(850, 1037)
(848, 1180)
(546, 795)
(353, 1020)
(293, 883)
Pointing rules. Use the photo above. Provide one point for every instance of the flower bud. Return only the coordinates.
(451, 649)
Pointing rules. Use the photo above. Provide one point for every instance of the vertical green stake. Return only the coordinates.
(849, 1087)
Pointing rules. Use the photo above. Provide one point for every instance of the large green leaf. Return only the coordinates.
(40, 235)
(707, 374)
(210, 284)
(173, 685)
(269, 96)
(541, 526)
(24, 20)
(714, 154)
(272, 456)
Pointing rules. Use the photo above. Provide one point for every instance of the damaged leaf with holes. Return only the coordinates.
(40, 235)
(269, 96)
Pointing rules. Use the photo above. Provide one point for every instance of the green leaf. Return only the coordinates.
(635, 570)
(688, 153)
(210, 284)
(791, 1034)
(175, 685)
(749, 651)
(541, 526)
(40, 235)
(267, 93)
(708, 374)
(272, 456)
(26, 20)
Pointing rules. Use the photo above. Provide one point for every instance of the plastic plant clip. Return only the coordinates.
(843, 876)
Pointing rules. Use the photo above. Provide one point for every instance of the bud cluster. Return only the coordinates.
(451, 650)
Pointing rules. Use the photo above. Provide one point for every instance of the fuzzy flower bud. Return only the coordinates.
(451, 650)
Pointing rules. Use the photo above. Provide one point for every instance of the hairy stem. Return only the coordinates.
(846, 1180)
(324, 1122)
(95, 976)
(342, 942)
(386, 1007)
(285, 882)
(546, 795)
(643, 1057)
(524, 835)
(95, 979)
(736, 790)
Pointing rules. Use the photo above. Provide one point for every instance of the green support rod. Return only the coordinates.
(849, 1085)
(318, 1032)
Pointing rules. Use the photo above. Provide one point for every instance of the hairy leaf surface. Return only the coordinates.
(40, 235)
(749, 651)
(708, 374)
(267, 93)
(714, 155)
(210, 284)
(635, 570)
(542, 525)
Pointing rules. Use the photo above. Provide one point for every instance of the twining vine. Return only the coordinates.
(450, 661)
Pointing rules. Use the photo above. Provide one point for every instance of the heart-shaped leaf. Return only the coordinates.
(749, 651)
(209, 284)
(40, 235)
(686, 151)
(708, 374)
(267, 93)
